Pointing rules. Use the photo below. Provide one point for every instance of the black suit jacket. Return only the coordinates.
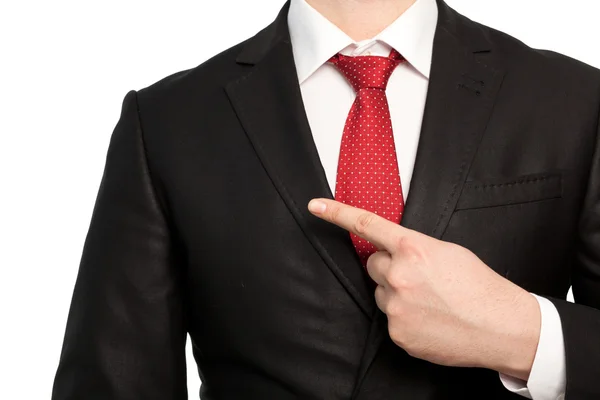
(201, 226)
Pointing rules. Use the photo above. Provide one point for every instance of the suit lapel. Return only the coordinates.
(269, 104)
(461, 94)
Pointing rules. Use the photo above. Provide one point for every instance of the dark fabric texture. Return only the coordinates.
(201, 226)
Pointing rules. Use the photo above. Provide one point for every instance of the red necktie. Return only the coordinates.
(367, 174)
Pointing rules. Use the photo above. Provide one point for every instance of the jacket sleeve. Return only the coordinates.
(125, 334)
(581, 321)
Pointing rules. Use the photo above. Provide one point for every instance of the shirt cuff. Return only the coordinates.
(548, 377)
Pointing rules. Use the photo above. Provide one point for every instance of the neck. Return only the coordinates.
(361, 19)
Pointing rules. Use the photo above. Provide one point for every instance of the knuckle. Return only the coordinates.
(374, 259)
(363, 221)
(394, 309)
(396, 279)
(396, 334)
(334, 213)
(414, 251)
(402, 242)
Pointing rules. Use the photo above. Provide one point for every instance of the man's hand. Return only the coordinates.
(443, 304)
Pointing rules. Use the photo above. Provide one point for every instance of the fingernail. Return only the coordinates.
(317, 206)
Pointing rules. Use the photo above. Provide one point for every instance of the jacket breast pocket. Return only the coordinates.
(508, 191)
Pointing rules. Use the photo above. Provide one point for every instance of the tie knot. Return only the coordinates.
(367, 71)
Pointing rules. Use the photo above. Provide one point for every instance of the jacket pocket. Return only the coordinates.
(508, 191)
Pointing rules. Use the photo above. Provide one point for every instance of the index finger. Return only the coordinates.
(384, 234)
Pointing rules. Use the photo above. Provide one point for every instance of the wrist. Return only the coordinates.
(515, 335)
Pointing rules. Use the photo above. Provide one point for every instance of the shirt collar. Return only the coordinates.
(315, 39)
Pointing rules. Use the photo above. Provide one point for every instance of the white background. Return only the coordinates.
(64, 69)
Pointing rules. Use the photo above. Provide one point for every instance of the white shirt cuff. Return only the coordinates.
(548, 377)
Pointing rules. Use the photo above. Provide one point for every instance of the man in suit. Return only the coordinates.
(453, 175)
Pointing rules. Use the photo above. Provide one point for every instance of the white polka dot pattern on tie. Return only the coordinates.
(368, 175)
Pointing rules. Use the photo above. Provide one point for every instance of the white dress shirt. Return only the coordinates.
(328, 96)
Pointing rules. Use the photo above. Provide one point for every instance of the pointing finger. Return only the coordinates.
(383, 233)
